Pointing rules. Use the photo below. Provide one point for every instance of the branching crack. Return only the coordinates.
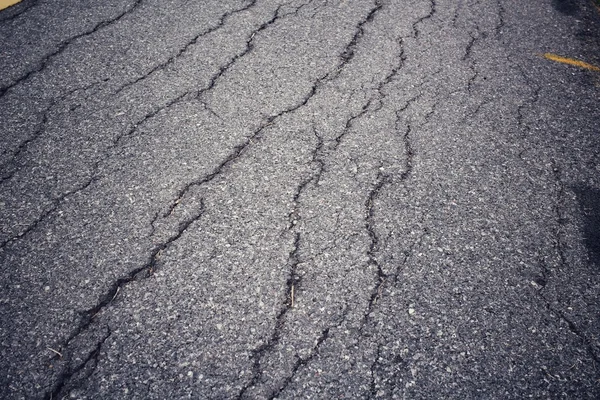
(301, 362)
(249, 47)
(143, 272)
(63, 383)
(94, 175)
(291, 284)
(64, 44)
(376, 98)
(374, 247)
(345, 57)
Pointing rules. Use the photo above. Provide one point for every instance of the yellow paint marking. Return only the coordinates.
(571, 61)
(7, 3)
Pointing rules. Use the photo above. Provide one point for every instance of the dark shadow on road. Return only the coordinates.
(569, 7)
(589, 203)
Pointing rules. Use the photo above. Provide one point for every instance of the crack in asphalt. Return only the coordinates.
(558, 241)
(467, 57)
(350, 122)
(432, 11)
(294, 216)
(249, 47)
(374, 364)
(183, 50)
(302, 362)
(68, 373)
(500, 24)
(381, 277)
(55, 204)
(406, 139)
(65, 43)
(348, 53)
(39, 131)
(237, 151)
(346, 56)
(94, 176)
(292, 284)
(258, 353)
(379, 97)
(392, 74)
(142, 272)
(559, 247)
(535, 88)
(457, 10)
(374, 246)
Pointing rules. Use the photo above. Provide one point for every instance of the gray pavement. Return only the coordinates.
(299, 200)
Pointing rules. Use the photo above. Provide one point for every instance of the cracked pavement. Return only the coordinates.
(306, 199)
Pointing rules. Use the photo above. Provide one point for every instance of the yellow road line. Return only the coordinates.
(7, 3)
(571, 61)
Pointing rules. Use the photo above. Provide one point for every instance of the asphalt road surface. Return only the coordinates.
(300, 200)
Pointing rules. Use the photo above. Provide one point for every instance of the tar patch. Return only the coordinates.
(589, 202)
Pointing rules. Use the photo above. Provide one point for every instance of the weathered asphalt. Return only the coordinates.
(304, 199)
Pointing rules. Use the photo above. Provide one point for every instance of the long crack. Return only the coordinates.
(66, 43)
(377, 98)
(258, 354)
(374, 245)
(345, 56)
(143, 272)
(94, 176)
(38, 132)
(292, 285)
(55, 204)
(184, 49)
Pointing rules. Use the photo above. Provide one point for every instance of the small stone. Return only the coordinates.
(190, 374)
(411, 311)
(46, 288)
